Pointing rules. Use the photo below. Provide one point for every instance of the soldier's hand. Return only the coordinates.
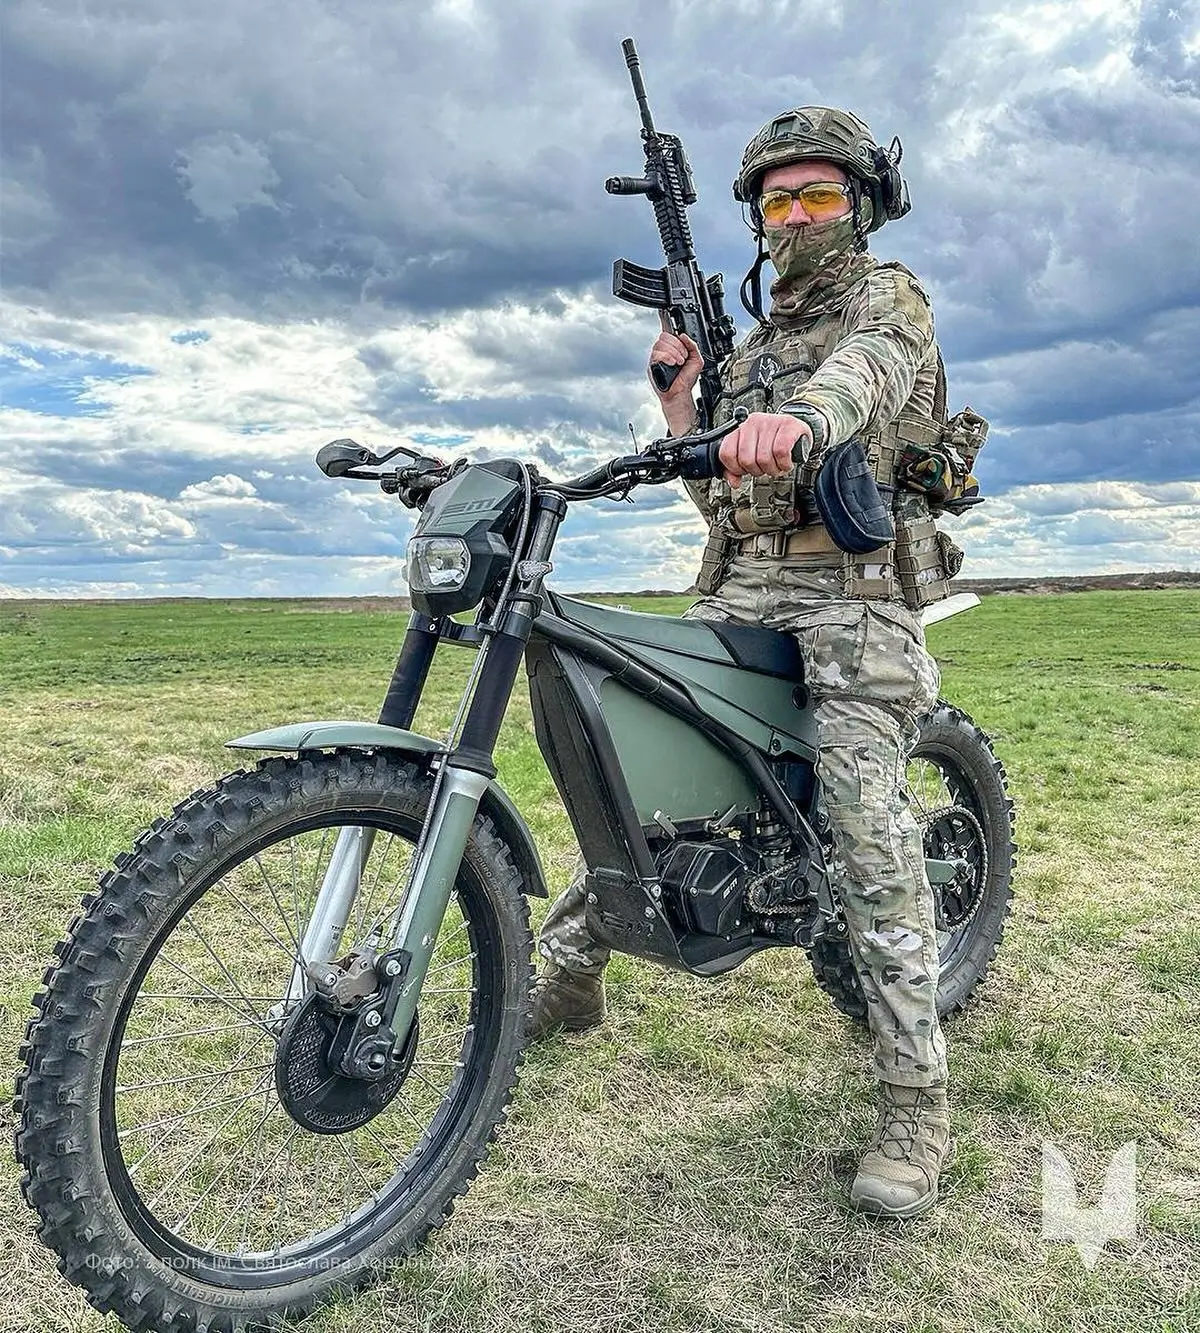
(676, 349)
(763, 445)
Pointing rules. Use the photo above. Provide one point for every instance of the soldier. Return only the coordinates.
(846, 348)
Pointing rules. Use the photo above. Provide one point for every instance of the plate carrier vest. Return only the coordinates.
(767, 371)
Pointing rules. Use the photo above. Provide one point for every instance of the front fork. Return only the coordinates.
(466, 773)
(323, 939)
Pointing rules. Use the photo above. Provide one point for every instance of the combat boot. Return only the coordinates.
(898, 1174)
(566, 1001)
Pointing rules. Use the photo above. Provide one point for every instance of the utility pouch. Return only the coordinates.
(965, 433)
(930, 471)
(851, 502)
(714, 563)
(765, 504)
(926, 559)
(871, 577)
(938, 460)
(963, 436)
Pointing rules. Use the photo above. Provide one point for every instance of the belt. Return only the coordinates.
(814, 540)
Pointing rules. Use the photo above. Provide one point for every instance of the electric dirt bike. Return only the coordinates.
(278, 1040)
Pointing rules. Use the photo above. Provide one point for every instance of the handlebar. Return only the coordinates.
(694, 457)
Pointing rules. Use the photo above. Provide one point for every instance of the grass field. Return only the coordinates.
(687, 1166)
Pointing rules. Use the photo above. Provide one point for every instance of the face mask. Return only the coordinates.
(798, 252)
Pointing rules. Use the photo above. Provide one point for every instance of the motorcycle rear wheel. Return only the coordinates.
(959, 795)
(169, 1175)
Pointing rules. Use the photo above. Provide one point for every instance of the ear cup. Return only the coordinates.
(893, 192)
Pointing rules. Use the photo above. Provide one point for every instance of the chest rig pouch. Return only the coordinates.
(766, 371)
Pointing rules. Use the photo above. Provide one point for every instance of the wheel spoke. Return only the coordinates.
(175, 1119)
(298, 933)
(454, 962)
(209, 993)
(220, 1075)
(369, 898)
(443, 940)
(283, 1196)
(258, 1151)
(384, 1148)
(350, 1157)
(224, 1171)
(295, 949)
(215, 995)
(185, 1078)
(439, 1092)
(200, 1152)
(292, 950)
(191, 1032)
(199, 934)
(245, 1195)
(312, 887)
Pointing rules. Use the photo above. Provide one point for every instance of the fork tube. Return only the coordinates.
(411, 671)
(339, 886)
(467, 774)
(433, 879)
(331, 911)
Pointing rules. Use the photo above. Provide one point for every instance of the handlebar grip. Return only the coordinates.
(663, 375)
(701, 461)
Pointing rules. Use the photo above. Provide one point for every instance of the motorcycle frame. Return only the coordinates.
(615, 840)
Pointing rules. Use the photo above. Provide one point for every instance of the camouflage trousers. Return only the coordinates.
(870, 679)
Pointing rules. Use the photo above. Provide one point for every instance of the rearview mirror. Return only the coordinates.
(338, 457)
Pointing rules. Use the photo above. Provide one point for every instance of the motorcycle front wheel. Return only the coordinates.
(158, 1128)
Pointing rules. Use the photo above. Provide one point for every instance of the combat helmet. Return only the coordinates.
(878, 192)
(834, 136)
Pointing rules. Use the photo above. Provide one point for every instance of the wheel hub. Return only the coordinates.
(313, 1089)
(954, 834)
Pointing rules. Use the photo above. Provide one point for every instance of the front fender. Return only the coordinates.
(328, 735)
(496, 803)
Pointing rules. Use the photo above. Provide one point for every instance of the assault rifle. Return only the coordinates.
(695, 305)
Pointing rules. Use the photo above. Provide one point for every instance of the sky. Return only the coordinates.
(233, 232)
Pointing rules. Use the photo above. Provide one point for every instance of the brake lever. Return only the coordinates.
(697, 457)
(413, 485)
(677, 444)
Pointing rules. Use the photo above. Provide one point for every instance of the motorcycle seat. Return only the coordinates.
(770, 651)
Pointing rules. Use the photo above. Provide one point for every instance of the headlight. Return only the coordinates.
(438, 564)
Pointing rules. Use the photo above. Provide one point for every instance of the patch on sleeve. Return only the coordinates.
(909, 298)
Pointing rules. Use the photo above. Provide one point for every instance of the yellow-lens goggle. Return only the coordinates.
(821, 200)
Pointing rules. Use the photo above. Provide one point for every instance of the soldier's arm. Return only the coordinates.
(869, 375)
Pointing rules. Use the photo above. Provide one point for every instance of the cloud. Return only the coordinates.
(239, 231)
(223, 174)
(222, 487)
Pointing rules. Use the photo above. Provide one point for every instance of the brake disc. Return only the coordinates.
(314, 1091)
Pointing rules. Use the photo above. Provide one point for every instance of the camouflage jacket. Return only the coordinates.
(865, 357)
